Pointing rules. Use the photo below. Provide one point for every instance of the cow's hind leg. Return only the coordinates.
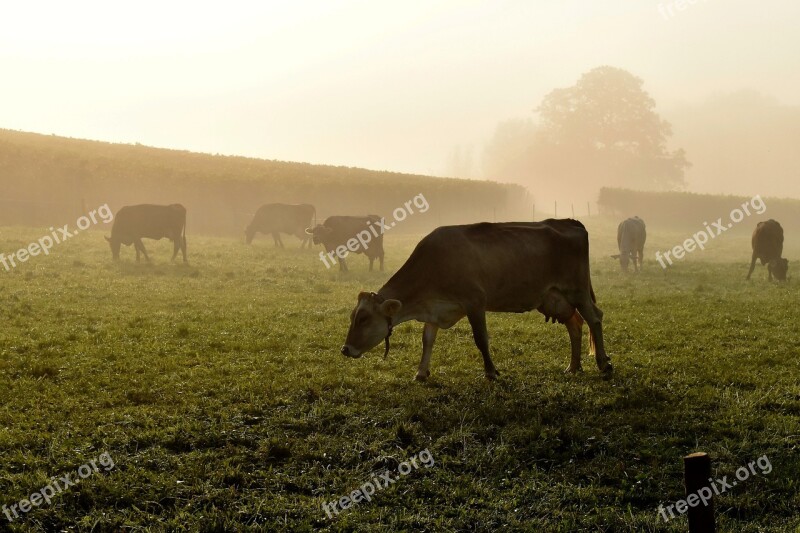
(575, 329)
(477, 319)
(593, 317)
(556, 307)
(428, 338)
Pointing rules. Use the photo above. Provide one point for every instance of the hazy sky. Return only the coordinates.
(382, 85)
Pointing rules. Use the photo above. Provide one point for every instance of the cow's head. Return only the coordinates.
(778, 268)
(370, 323)
(115, 244)
(319, 233)
(624, 259)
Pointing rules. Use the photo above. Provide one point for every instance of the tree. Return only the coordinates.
(602, 131)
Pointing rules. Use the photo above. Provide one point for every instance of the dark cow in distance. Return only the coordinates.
(342, 234)
(275, 219)
(631, 236)
(768, 247)
(469, 270)
(134, 222)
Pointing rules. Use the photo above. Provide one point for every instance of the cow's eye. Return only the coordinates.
(362, 319)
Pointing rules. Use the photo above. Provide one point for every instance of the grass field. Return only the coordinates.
(219, 391)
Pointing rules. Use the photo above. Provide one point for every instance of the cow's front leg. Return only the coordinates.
(575, 329)
(371, 261)
(140, 246)
(428, 338)
(342, 265)
(477, 319)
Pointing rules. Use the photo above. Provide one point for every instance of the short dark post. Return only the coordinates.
(697, 472)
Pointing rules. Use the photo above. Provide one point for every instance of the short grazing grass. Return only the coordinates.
(218, 390)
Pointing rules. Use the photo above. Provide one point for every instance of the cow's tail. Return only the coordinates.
(592, 347)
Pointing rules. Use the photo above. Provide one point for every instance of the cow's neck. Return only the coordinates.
(408, 294)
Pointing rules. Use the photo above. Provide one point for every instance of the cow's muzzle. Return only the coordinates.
(350, 352)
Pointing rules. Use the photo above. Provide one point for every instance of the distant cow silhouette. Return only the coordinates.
(768, 247)
(275, 219)
(337, 231)
(631, 236)
(134, 222)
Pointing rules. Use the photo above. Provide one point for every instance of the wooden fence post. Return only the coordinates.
(697, 472)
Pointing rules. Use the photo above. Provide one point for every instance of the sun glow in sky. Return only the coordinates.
(383, 85)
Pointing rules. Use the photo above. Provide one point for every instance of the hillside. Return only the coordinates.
(46, 179)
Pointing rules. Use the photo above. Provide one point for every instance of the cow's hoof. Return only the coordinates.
(608, 371)
(492, 374)
(422, 378)
(573, 369)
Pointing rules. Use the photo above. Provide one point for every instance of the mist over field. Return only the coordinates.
(282, 266)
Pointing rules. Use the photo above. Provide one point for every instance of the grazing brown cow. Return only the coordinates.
(360, 235)
(631, 236)
(133, 222)
(768, 247)
(459, 271)
(275, 219)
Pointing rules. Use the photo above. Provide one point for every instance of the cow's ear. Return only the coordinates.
(391, 307)
(362, 295)
(309, 231)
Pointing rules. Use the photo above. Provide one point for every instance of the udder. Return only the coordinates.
(556, 307)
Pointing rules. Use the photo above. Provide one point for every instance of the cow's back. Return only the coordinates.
(631, 234)
(284, 218)
(148, 220)
(345, 228)
(767, 240)
(509, 264)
